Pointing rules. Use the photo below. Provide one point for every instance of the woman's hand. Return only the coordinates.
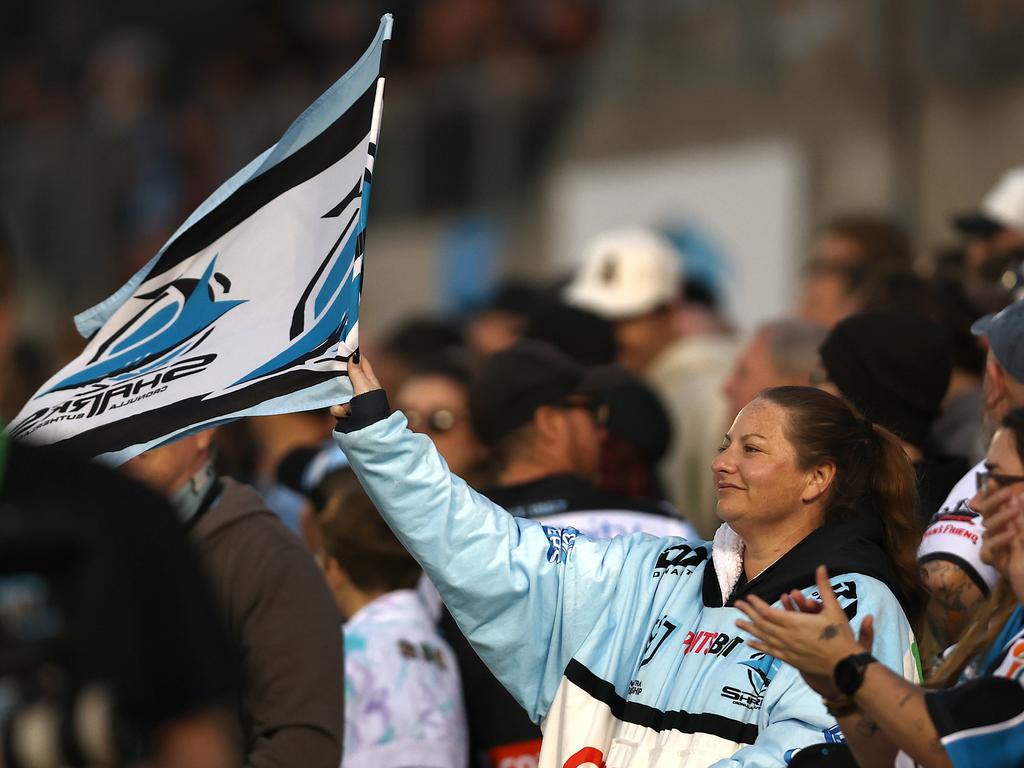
(1002, 545)
(811, 636)
(360, 373)
(987, 504)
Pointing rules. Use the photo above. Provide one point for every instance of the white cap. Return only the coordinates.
(626, 273)
(1003, 206)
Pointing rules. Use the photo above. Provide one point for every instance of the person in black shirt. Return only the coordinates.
(542, 414)
(129, 610)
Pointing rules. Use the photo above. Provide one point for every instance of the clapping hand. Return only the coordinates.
(806, 634)
(1002, 545)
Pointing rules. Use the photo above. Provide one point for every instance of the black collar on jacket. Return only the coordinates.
(849, 547)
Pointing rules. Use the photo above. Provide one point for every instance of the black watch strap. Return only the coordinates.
(849, 672)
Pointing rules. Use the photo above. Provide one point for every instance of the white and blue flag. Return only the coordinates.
(252, 306)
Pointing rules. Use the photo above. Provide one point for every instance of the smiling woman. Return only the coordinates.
(626, 649)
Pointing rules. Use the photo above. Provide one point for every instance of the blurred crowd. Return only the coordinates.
(119, 137)
(245, 596)
(595, 404)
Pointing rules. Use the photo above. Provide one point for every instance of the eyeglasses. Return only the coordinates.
(984, 481)
(436, 422)
(596, 408)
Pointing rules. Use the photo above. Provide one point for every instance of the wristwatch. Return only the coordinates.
(849, 672)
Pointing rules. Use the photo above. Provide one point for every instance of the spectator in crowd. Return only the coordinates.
(275, 603)
(953, 576)
(25, 364)
(499, 323)
(435, 400)
(274, 438)
(103, 594)
(995, 230)
(403, 702)
(960, 428)
(632, 278)
(541, 415)
(573, 626)
(414, 344)
(851, 252)
(998, 614)
(780, 353)
(894, 369)
(316, 473)
(638, 430)
(887, 719)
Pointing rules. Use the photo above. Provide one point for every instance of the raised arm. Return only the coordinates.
(525, 595)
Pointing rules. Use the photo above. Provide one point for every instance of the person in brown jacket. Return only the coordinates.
(276, 605)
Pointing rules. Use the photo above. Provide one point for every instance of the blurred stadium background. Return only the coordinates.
(513, 130)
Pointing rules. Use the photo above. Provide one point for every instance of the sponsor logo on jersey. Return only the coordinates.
(660, 632)
(846, 594)
(588, 757)
(1012, 665)
(560, 543)
(679, 560)
(710, 643)
(761, 669)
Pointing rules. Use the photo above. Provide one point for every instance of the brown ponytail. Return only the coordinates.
(894, 488)
(874, 475)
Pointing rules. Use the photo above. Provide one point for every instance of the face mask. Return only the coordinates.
(187, 498)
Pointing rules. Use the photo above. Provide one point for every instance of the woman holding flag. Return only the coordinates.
(626, 649)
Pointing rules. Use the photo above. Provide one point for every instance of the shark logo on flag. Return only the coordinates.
(252, 306)
(177, 312)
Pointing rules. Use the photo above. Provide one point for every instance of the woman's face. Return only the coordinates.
(756, 474)
(1002, 464)
(439, 408)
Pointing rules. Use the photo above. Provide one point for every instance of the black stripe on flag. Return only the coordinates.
(151, 425)
(336, 141)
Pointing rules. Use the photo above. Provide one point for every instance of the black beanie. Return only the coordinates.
(892, 367)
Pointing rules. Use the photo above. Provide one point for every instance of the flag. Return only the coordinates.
(251, 308)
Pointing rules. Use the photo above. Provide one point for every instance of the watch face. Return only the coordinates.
(849, 672)
(848, 677)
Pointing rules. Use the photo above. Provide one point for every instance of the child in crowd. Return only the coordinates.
(403, 701)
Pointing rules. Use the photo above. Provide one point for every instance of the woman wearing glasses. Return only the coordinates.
(626, 648)
(435, 401)
(978, 717)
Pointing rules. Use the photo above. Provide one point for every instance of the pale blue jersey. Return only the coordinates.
(613, 645)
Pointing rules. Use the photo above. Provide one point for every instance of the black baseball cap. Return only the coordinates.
(512, 384)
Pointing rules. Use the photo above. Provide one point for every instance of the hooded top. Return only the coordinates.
(279, 610)
(620, 648)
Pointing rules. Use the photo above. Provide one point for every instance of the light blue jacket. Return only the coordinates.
(607, 643)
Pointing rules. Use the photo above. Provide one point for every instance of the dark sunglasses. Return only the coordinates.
(983, 480)
(437, 422)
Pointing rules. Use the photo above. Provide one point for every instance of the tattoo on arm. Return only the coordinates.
(829, 632)
(906, 697)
